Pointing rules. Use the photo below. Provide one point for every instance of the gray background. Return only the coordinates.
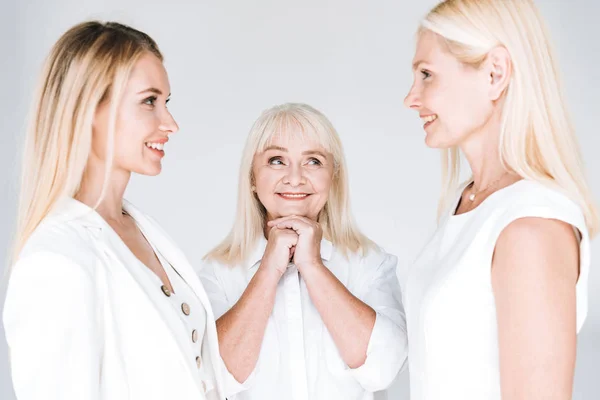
(228, 60)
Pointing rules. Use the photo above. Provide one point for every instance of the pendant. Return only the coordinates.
(472, 196)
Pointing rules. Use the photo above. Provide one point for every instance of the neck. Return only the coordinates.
(481, 150)
(90, 191)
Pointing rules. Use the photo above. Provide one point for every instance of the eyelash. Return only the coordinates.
(273, 159)
(426, 74)
(151, 99)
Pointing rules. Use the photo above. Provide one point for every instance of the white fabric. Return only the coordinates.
(448, 295)
(84, 319)
(195, 321)
(299, 359)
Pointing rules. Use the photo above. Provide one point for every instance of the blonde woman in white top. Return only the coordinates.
(101, 304)
(307, 307)
(496, 298)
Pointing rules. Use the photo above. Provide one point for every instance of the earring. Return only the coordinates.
(253, 188)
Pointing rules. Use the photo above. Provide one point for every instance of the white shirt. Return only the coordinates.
(448, 296)
(191, 313)
(299, 359)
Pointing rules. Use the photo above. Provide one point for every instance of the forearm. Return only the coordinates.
(348, 320)
(241, 329)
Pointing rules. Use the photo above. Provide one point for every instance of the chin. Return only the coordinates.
(436, 141)
(288, 212)
(149, 170)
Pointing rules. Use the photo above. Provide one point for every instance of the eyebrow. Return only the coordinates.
(317, 152)
(417, 63)
(153, 90)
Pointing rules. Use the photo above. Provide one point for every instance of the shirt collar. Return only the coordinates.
(68, 209)
(261, 245)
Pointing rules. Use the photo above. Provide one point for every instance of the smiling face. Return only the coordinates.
(453, 99)
(293, 176)
(143, 122)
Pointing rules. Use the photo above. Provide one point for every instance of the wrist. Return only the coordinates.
(308, 266)
(270, 272)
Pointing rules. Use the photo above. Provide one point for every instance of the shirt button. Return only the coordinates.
(194, 336)
(185, 308)
(166, 290)
(198, 361)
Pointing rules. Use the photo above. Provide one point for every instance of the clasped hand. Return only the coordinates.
(293, 239)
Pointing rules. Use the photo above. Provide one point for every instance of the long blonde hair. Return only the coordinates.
(335, 218)
(89, 64)
(537, 138)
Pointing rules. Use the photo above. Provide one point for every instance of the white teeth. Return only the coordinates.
(157, 146)
(429, 118)
(296, 196)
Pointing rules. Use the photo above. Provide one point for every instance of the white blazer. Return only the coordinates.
(85, 321)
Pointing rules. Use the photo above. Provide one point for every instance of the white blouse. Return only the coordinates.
(191, 314)
(299, 359)
(448, 296)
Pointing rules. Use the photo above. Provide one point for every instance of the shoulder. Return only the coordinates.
(372, 259)
(537, 234)
(540, 227)
(56, 260)
(65, 240)
(211, 268)
(529, 207)
(531, 194)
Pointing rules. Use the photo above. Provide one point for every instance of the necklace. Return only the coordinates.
(473, 195)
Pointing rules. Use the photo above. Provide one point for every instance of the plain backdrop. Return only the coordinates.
(229, 60)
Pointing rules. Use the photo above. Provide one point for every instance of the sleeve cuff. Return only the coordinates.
(386, 354)
(232, 386)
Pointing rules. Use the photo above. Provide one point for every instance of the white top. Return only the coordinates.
(448, 295)
(191, 313)
(299, 359)
(84, 319)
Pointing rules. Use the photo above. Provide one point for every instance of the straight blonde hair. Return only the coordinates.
(89, 64)
(335, 218)
(537, 138)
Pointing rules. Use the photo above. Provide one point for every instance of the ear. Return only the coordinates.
(499, 70)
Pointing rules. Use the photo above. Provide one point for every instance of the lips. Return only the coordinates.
(429, 118)
(293, 196)
(155, 145)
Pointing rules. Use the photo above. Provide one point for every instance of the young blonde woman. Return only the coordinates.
(496, 298)
(101, 304)
(307, 307)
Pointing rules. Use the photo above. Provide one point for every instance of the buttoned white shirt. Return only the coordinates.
(299, 359)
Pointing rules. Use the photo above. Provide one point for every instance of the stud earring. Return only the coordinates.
(253, 188)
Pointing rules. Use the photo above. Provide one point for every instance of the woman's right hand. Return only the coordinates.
(280, 249)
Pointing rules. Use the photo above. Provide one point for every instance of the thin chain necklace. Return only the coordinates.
(473, 195)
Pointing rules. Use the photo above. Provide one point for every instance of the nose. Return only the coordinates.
(294, 176)
(412, 99)
(168, 124)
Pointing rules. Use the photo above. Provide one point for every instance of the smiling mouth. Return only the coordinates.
(156, 148)
(429, 119)
(293, 196)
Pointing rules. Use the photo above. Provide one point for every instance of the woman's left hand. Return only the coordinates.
(308, 249)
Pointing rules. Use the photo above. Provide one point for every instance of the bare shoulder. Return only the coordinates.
(534, 243)
(538, 233)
